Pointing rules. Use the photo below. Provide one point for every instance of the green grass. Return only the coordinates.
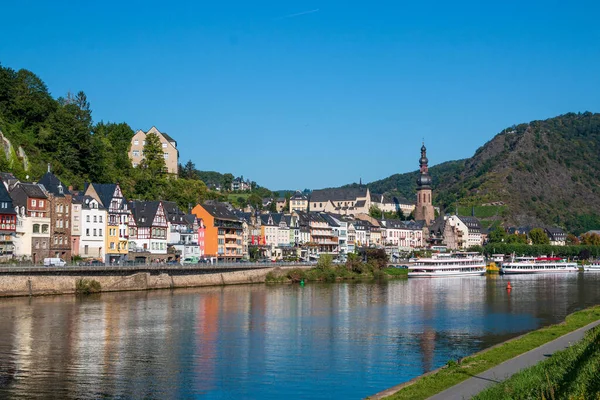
(573, 373)
(455, 373)
(235, 196)
(396, 272)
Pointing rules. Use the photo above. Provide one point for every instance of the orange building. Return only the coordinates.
(223, 232)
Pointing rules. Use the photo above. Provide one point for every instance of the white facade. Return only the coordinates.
(93, 229)
(26, 239)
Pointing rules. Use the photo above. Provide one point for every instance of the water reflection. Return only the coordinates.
(320, 341)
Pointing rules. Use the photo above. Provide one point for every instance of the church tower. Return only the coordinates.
(424, 209)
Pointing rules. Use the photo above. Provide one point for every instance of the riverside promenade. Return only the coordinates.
(37, 281)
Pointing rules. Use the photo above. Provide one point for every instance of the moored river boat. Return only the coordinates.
(443, 265)
(538, 265)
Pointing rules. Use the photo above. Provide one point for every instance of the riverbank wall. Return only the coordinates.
(40, 285)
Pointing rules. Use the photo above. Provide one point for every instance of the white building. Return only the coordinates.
(147, 227)
(93, 219)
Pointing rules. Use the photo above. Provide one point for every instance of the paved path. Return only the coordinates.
(476, 384)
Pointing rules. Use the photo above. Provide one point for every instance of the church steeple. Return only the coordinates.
(424, 180)
(424, 209)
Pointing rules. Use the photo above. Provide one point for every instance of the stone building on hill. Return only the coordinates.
(344, 201)
(169, 146)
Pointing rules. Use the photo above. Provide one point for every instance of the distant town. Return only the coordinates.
(47, 219)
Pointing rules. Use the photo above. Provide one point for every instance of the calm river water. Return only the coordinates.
(269, 342)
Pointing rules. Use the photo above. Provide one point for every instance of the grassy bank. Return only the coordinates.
(455, 373)
(326, 271)
(573, 373)
(334, 274)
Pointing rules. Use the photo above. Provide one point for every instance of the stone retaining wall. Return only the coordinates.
(36, 285)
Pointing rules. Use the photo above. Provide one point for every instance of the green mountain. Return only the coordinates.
(538, 173)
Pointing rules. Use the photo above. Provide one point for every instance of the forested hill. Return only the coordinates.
(545, 172)
(38, 130)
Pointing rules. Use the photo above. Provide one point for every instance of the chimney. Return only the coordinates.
(70, 188)
(48, 167)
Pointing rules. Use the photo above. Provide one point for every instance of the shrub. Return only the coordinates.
(296, 275)
(87, 286)
(325, 261)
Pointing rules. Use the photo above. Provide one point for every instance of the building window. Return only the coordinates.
(99, 232)
(87, 219)
(164, 145)
(34, 203)
(136, 142)
(67, 224)
(95, 219)
(94, 231)
(136, 153)
(144, 143)
(86, 249)
(57, 223)
(100, 218)
(41, 203)
(166, 156)
(45, 228)
(112, 245)
(60, 240)
(87, 232)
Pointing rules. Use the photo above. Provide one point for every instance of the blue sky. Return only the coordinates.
(346, 90)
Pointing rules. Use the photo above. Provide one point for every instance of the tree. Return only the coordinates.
(498, 235)
(375, 212)
(255, 201)
(188, 171)
(572, 240)
(154, 161)
(538, 236)
(516, 238)
(227, 181)
(590, 239)
(273, 206)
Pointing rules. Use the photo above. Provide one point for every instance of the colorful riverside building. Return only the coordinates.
(60, 215)
(117, 224)
(223, 232)
(8, 223)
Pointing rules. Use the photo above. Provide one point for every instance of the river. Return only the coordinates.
(346, 340)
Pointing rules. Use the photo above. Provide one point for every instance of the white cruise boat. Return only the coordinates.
(593, 267)
(442, 265)
(538, 265)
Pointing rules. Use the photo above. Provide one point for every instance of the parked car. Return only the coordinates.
(172, 262)
(190, 261)
(54, 262)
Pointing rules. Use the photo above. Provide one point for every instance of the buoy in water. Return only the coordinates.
(508, 287)
(302, 282)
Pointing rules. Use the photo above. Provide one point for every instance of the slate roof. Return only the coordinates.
(173, 213)
(53, 185)
(330, 220)
(360, 203)
(472, 223)
(85, 200)
(33, 190)
(5, 198)
(168, 137)
(298, 196)
(105, 192)
(341, 194)
(220, 211)
(144, 212)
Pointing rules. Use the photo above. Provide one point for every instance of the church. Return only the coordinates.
(424, 210)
